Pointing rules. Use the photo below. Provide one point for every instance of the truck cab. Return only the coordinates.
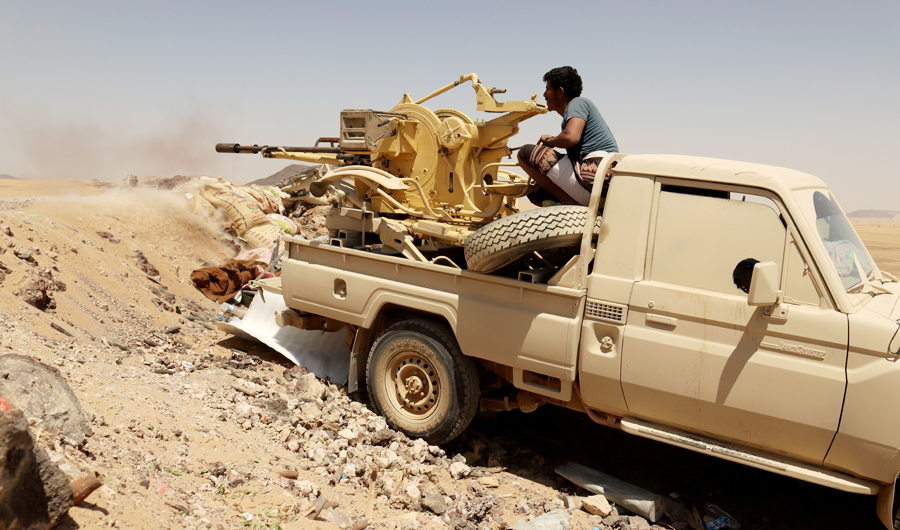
(670, 338)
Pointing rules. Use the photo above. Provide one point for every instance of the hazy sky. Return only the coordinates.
(103, 89)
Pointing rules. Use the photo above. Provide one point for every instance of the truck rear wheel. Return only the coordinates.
(421, 382)
(503, 241)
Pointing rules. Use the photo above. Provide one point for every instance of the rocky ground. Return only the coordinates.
(193, 428)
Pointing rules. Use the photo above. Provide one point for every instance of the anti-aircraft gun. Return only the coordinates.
(420, 180)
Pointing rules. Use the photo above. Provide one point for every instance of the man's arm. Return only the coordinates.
(570, 136)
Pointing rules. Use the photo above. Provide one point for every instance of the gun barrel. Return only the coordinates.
(238, 148)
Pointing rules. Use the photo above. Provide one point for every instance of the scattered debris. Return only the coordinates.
(163, 293)
(633, 498)
(555, 520)
(288, 473)
(4, 270)
(145, 265)
(24, 254)
(84, 486)
(489, 482)
(224, 282)
(715, 518)
(109, 237)
(596, 505)
(61, 329)
(38, 291)
(317, 507)
(434, 502)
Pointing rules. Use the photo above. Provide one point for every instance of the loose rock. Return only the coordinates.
(459, 470)
(434, 502)
(40, 391)
(307, 386)
(596, 505)
(34, 493)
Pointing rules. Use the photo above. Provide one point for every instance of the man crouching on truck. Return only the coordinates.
(585, 137)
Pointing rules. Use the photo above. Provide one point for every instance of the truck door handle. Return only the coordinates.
(665, 321)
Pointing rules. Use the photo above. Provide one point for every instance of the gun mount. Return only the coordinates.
(420, 178)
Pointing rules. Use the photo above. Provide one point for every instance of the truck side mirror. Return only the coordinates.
(763, 284)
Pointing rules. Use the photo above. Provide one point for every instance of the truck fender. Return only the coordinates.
(432, 307)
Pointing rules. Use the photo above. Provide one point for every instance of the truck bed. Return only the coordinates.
(532, 327)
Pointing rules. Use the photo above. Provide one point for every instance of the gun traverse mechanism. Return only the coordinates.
(418, 178)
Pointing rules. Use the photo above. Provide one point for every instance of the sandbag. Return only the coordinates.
(259, 255)
(263, 235)
(286, 224)
(200, 205)
(275, 195)
(268, 197)
(242, 210)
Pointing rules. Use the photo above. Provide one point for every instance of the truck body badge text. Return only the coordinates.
(795, 348)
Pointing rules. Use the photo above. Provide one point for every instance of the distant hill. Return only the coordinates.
(873, 214)
(291, 171)
(5, 176)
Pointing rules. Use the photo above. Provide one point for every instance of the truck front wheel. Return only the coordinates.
(421, 382)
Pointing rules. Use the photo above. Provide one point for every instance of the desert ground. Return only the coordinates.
(882, 238)
(217, 432)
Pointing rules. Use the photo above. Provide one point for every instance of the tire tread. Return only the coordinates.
(465, 374)
(501, 242)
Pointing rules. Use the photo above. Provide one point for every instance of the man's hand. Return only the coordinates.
(570, 136)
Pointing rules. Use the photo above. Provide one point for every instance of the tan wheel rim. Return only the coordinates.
(413, 381)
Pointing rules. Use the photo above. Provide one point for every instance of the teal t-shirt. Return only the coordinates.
(596, 135)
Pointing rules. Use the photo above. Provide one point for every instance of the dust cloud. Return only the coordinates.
(147, 207)
(56, 148)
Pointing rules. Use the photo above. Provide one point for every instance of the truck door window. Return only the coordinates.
(799, 287)
(701, 237)
(837, 235)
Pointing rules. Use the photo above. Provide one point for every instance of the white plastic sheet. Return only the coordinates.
(324, 354)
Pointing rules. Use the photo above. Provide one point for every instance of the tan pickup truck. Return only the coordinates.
(724, 307)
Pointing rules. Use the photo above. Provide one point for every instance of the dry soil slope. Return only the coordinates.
(106, 292)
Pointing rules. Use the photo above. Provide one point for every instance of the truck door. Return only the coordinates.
(699, 358)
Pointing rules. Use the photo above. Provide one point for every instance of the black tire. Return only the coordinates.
(420, 381)
(896, 507)
(505, 240)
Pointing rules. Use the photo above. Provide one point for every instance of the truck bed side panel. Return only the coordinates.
(533, 327)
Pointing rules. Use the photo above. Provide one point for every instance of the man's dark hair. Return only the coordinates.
(743, 274)
(566, 78)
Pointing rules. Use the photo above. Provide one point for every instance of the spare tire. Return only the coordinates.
(503, 241)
